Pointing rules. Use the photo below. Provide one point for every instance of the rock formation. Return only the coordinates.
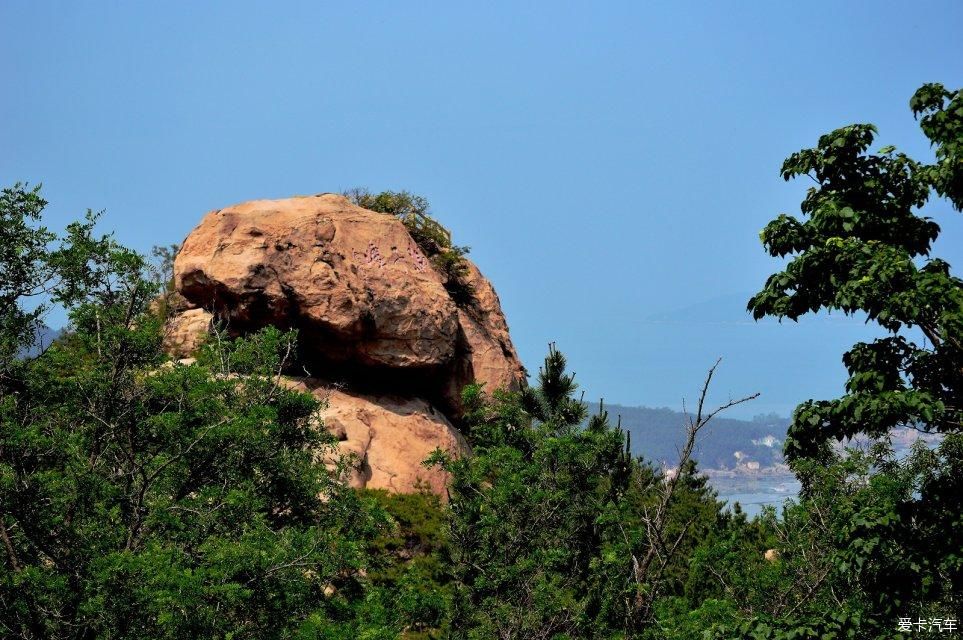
(387, 437)
(186, 331)
(372, 315)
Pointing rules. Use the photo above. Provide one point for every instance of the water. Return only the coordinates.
(755, 492)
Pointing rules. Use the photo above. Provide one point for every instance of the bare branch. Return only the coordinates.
(656, 522)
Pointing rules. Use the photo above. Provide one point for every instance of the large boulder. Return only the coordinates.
(351, 279)
(373, 315)
(388, 437)
(369, 305)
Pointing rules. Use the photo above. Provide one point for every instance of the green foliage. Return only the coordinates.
(25, 271)
(873, 538)
(942, 123)
(679, 621)
(547, 517)
(162, 275)
(34, 275)
(412, 210)
(454, 269)
(876, 539)
(145, 499)
(407, 563)
(164, 265)
(863, 247)
(396, 203)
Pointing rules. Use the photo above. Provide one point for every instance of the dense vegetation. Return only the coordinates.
(142, 498)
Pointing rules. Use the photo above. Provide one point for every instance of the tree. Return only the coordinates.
(143, 498)
(526, 511)
(555, 530)
(413, 210)
(663, 533)
(888, 528)
(25, 271)
(409, 581)
(863, 246)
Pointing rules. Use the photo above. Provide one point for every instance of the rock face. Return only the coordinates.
(387, 437)
(185, 332)
(486, 353)
(352, 279)
(371, 312)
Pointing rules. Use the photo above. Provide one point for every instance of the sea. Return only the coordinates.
(756, 491)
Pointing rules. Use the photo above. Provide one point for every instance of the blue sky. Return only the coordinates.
(610, 164)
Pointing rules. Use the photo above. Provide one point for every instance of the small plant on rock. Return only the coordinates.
(433, 238)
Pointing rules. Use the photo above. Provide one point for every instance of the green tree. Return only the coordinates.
(413, 210)
(555, 530)
(26, 272)
(145, 499)
(890, 528)
(874, 539)
(410, 586)
(863, 246)
(528, 509)
(22, 267)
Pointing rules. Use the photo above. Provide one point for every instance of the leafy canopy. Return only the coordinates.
(874, 537)
(863, 246)
(550, 514)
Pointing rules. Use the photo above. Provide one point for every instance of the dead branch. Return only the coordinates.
(656, 521)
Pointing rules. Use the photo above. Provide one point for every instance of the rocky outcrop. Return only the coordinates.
(185, 332)
(387, 438)
(372, 314)
(486, 353)
(352, 280)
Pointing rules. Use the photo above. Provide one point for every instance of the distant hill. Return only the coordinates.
(731, 309)
(44, 337)
(728, 309)
(657, 434)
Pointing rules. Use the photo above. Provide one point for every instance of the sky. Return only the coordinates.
(609, 164)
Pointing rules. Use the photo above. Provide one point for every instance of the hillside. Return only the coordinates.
(727, 443)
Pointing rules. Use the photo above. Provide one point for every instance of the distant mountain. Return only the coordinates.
(726, 444)
(731, 309)
(658, 434)
(45, 335)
